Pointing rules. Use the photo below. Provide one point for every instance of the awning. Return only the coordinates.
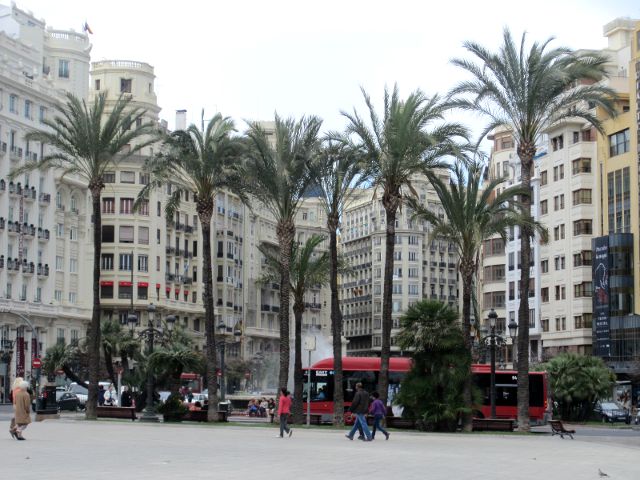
(177, 290)
(168, 289)
(157, 286)
(106, 283)
(143, 284)
(125, 284)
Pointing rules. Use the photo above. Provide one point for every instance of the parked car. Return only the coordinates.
(612, 412)
(81, 392)
(637, 419)
(68, 401)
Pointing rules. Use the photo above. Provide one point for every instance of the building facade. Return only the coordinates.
(43, 218)
(423, 268)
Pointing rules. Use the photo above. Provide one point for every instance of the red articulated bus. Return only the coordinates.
(366, 369)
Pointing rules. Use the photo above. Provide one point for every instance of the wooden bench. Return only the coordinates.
(201, 416)
(116, 412)
(399, 422)
(557, 428)
(492, 424)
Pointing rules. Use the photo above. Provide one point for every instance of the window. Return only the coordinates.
(38, 297)
(125, 291)
(108, 234)
(583, 289)
(73, 234)
(583, 321)
(108, 205)
(144, 178)
(397, 288)
(63, 68)
(544, 266)
(582, 196)
(576, 137)
(127, 177)
(413, 272)
(28, 109)
(512, 291)
(583, 258)
(544, 207)
(97, 84)
(544, 294)
(73, 265)
(582, 227)
(106, 291)
(413, 256)
(619, 143)
(143, 263)
(559, 261)
(13, 103)
(126, 260)
(159, 209)
(558, 173)
(143, 235)
(560, 292)
(106, 261)
(125, 85)
(109, 177)
(158, 236)
(397, 272)
(543, 178)
(557, 143)
(413, 289)
(126, 205)
(126, 234)
(73, 297)
(580, 165)
(59, 263)
(57, 295)
(545, 324)
(60, 230)
(43, 114)
(142, 292)
(397, 255)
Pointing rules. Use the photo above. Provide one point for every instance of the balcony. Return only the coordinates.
(15, 154)
(179, 226)
(29, 194)
(3, 148)
(179, 252)
(3, 185)
(312, 306)
(1, 261)
(187, 280)
(13, 227)
(170, 277)
(2, 223)
(43, 235)
(265, 308)
(275, 286)
(188, 229)
(170, 250)
(44, 199)
(275, 308)
(29, 230)
(28, 268)
(13, 265)
(15, 190)
(43, 270)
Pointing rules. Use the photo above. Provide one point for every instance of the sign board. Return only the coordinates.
(36, 363)
(601, 320)
(310, 343)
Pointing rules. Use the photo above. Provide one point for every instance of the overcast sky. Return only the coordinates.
(248, 59)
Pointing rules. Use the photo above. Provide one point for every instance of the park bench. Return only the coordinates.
(116, 412)
(557, 428)
(399, 422)
(201, 416)
(493, 424)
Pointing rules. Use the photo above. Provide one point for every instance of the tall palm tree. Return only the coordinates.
(203, 163)
(529, 89)
(397, 147)
(337, 173)
(62, 357)
(172, 360)
(309, 268)
(279, 177)
(472, 214)
(87, 140)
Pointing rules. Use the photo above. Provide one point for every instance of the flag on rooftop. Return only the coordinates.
(87, 28)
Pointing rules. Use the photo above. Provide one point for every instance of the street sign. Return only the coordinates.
(36, 363)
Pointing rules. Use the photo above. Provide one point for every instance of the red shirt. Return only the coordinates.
(284, 405)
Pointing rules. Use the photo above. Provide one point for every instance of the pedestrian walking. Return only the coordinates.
(21, 410)
(284, 410)
(360, 407)
(12, 395)
(378, 410)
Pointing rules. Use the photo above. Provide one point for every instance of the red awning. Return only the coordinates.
(143, 284)
(177, 290)
(106, 283)
(186, 292)
(125, 284)
(157, 286)
(168, 289)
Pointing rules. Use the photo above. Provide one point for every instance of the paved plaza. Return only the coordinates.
(71, 448)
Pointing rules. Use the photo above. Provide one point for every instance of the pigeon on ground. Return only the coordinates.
(602, 474)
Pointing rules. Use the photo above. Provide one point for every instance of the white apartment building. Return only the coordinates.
(43, 219)
(563, 186)
(423, 268)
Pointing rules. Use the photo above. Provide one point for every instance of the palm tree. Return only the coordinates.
(397, 147)
(62, 357)
(308, 269)
(337, 173)
(172, 360)
(472, 214)
(202, 163)
(86, 141)
(528, 90)
(279, 177)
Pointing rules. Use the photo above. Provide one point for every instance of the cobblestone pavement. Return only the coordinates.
(107, 449)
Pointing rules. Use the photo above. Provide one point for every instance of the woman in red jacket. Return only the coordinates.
(284, 409)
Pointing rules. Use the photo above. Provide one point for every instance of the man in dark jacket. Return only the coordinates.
(360, 407)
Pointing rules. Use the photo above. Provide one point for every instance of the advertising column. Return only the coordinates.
(601, 325)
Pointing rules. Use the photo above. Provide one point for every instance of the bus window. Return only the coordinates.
(368, 379)
(321, 386)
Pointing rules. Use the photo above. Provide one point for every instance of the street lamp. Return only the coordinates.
(513, 333)
(222, 330)
(149, 414)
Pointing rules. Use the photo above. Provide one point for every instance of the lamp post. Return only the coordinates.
(6, 351)
(222, 330)
(149, 414)
(513, 333)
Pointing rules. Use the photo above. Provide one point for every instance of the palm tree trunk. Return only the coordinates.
(108, 361)
(93, 334)
(526, 152)
(336, 330)
(385, 352)
(209, 317)
(285, 232)
(467, 285)
(298, 310)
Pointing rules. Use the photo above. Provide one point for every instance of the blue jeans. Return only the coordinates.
(378, 426)
(362, 421)
(283, 424)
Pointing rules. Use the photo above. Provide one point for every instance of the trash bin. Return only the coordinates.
(223, 407)
(47, 401)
